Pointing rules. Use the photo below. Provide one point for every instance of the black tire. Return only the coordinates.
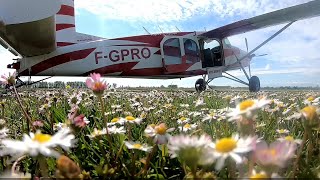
(200, 85)
(254, 84)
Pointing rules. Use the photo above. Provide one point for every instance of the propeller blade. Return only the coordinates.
(246, 44)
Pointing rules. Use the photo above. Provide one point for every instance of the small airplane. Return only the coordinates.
(42, 33)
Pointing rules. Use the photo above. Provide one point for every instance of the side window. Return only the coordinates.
(172, 47)
(172, 51)
(191, 50)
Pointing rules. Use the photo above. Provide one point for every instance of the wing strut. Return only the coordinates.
(266, 41)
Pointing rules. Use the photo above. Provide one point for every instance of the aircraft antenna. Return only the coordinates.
(160, 28)
(178, 29)
(146, 30)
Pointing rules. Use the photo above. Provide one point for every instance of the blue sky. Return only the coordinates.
(293, 57)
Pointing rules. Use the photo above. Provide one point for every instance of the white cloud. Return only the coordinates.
(176, 10)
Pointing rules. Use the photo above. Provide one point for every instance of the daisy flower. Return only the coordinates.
(38, 143)
(183, 120)
(138, 146)
(247, 108)
(290, 139)
(231, 147)
(159, 133)
(131, 119)
(282, 131)
(199, 102)
(95, 84)
(115, 130)
(187, 127)
(190, 149)
(8, 80)
(210, 116)
(115, 121)
(276, 154)
(97, 132)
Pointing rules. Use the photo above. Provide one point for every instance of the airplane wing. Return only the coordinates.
(294, 13)
(27, 28)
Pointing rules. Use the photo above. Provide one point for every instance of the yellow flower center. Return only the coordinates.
(130, 118)
(115, 120)
(152, 125)
(258, 176)
(183, 119)
(246, 104)
(161, 129)
(226, 145)
(42, 138)
(310, 99)
(98, 86)
(212, 114)
(281, 131)
(310, 112)
(137, 146)
(187, 126)
(289, 138)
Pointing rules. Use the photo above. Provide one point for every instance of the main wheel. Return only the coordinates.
(254, 84)
(200, 85)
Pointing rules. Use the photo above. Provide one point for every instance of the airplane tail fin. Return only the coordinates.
(66, 29)
(65, 24)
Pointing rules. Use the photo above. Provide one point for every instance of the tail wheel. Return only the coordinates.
(200, 85)
(254, 84)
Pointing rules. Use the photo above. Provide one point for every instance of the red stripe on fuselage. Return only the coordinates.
(123, 67)
(57, 60)
(66, 10)
(151, 40)
(63, 26)
(64, 43)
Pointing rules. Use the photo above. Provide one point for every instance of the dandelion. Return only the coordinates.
(95, 84)
(38, 143)
(159, 133)
(138, 146)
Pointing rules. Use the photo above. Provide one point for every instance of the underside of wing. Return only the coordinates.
(294, 13)
(28, 27)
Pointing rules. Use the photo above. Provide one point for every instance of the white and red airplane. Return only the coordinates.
(43, 34)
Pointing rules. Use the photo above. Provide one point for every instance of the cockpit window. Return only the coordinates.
(226, 42)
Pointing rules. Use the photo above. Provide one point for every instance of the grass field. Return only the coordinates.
(159, 134)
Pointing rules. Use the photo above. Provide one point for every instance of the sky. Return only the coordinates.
(293, 56)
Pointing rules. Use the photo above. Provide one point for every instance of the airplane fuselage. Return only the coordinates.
(147, 56)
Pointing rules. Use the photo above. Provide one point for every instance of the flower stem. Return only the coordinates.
(23, 110)
(296, 164)
(15, 164)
